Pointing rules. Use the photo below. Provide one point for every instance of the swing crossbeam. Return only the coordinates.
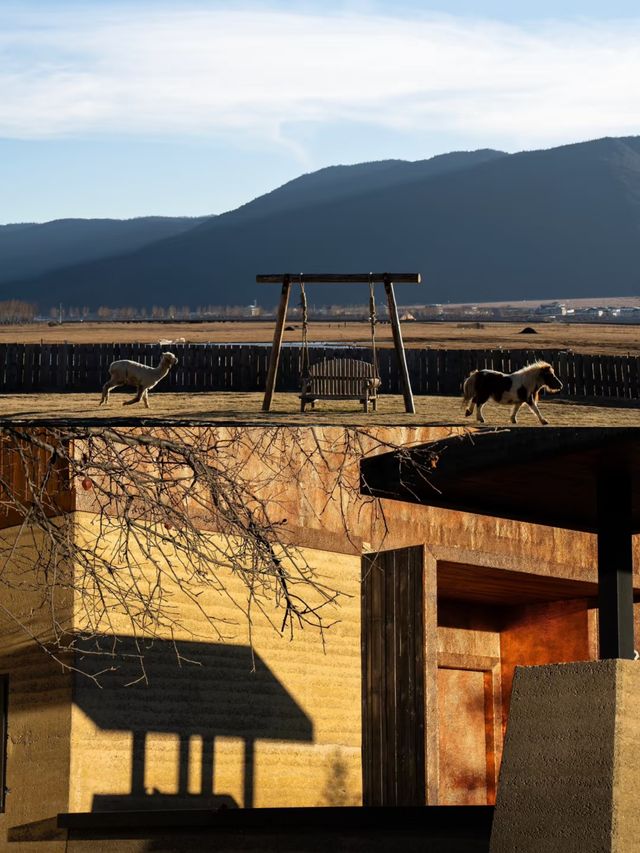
(287, 279)
(341, 379)
(341, 278)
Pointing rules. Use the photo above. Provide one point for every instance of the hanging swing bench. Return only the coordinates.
(341, 379)
(338, 378)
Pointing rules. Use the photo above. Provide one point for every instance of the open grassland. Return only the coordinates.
(596, 338)
(246, 408)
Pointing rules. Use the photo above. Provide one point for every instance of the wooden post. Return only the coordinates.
(274, 357)
(615, 564)
(399, 345)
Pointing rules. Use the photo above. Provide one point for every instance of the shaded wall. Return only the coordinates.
(180, 716)
(209, 730)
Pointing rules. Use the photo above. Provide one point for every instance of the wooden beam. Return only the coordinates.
(429, 605)
(399, 345)
(341, 278)
(615, 564)
(274, 356)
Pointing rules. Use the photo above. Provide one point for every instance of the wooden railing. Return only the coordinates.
(29, 368)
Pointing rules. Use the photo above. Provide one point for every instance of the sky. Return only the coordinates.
(123, 108)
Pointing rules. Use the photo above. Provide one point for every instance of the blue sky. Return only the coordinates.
(131, 107)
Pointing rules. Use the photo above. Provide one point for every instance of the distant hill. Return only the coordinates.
(479, 226)
(29, 249)
(335, 183)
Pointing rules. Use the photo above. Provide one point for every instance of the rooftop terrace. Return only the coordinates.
(243, 407)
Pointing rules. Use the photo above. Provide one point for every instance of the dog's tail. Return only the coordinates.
(469, 388)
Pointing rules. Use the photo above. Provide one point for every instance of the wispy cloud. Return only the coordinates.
(220, 70)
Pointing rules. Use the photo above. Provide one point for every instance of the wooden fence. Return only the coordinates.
(30, 368)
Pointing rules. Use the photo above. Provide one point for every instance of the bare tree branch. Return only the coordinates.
(168, 514)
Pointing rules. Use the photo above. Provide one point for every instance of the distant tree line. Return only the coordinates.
(16, 311)
(203, 312)
(156, 312)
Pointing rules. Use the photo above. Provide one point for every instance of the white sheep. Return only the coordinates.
(143, 378)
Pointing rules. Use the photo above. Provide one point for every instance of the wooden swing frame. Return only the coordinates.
(388, 279)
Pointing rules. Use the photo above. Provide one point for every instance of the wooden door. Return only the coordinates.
(468, 730)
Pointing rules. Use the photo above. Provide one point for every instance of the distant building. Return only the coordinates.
(552, 309)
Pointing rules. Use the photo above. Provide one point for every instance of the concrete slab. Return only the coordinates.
(571, 764)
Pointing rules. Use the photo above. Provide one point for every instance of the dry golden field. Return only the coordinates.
(243, 407)
(596, 338)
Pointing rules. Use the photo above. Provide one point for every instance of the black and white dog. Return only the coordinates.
(517, 388)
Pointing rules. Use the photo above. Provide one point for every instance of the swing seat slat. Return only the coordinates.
(341, 379)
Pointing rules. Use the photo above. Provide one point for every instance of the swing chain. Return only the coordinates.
(373, 319)
(304, 351)
(304, 308)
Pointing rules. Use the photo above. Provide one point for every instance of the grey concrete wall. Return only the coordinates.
(571, 764)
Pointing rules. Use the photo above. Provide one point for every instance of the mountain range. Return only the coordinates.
(30, 249)
(479, 226)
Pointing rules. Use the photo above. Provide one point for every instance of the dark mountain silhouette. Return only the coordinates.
(479, 226)
(337, 182)
(28, 249)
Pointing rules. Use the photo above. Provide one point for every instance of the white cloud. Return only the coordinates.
(148, 69)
